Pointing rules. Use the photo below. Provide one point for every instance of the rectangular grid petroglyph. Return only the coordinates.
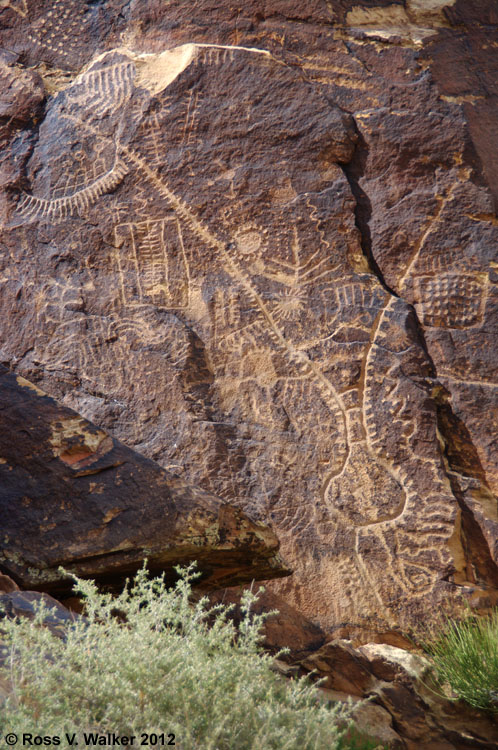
(152, 263)
(451, 300)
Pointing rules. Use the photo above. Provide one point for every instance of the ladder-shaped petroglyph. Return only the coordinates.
(215, 54)
(354, 296)
(154, 135)
(151, 140)
(152, 263)
(188, 133)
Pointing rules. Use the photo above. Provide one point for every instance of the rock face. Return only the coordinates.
(73, 496)
(407, 709)
(286, 627)
(260, 248)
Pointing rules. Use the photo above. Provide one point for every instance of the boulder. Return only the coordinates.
(73, 496)
(404, 707)
(286, 627)
(7, 585)
(27, 603)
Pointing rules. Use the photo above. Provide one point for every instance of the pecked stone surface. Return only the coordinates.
(267, 260)
(73, 496)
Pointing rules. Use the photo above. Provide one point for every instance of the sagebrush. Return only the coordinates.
(163, 665)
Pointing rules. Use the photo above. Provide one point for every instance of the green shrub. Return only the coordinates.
(353, 740)
(465, 656)
(163, 666)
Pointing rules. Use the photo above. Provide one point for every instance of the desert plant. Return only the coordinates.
(164, 667)
(354, 740)
(465, 657)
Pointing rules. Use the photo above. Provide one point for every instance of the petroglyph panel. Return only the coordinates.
(226, 322)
